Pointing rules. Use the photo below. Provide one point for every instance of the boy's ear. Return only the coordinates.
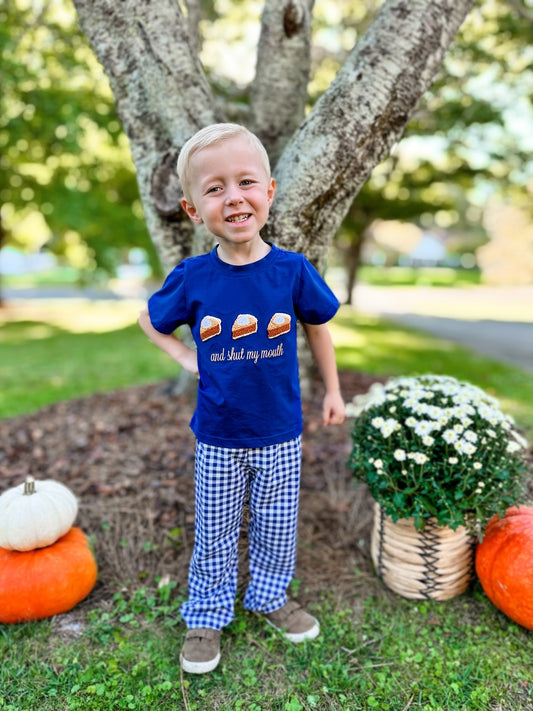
(191, 211)
(271, 190)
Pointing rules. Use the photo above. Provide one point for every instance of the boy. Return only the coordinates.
(241, 302)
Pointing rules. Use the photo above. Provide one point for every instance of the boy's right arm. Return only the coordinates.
(170, 344)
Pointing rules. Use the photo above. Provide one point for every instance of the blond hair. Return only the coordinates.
(209, 136)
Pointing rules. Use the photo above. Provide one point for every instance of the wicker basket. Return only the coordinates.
(434, 564)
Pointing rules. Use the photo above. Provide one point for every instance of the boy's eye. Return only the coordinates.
(213, 189)
(246, 181)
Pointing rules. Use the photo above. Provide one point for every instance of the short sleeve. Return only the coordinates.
(315, 302)
(168, 306)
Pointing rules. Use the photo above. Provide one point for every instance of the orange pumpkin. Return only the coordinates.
(504, 564)
(46, 581)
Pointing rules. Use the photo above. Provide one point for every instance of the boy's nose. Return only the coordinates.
(233, 197)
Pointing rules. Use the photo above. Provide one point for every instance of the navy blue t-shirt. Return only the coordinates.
(243, 321)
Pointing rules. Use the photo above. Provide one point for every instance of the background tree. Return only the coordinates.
(321, 160)
(68, 185)
(66, 175)
(467, 144)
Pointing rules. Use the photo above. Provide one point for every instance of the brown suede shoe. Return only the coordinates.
(201, 650)
(295, 624)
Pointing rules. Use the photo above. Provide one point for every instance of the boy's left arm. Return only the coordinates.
(319, 337)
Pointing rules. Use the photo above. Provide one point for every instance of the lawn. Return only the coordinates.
(376, 650)
(372, 345)
(59, 349)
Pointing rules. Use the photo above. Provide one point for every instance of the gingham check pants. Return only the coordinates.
(223, 478)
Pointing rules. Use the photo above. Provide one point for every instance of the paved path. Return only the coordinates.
(497, 322)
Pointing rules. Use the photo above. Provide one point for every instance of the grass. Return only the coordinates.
(372, 345)
(53, 352)
(57, 350)
(418, 276)
(387, 276)
(390, 655)
(383, 652)
(54, 276)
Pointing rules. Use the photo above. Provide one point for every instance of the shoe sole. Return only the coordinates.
(199, 667)
(297, 637)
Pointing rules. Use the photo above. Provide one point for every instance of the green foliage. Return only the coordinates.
(431, 446)
(462, 145)
(67, 181)
(66, 177)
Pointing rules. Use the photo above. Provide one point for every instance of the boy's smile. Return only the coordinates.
(231, 193)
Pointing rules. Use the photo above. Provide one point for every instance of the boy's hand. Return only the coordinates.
(189, 361)
(170, 344)
(333, 409)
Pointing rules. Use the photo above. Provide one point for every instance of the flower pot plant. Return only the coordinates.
(441, 454)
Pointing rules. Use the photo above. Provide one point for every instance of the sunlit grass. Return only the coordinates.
(65, 348)
(375, 346)
(53, 276)
(73, 315)
(418, 276)
(61, 349)
(65, 365)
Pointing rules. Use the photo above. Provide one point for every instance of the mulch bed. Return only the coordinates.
(128, 455)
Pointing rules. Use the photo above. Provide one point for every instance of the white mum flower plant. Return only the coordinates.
(432, 446)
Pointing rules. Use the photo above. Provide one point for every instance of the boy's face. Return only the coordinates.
(231, 192)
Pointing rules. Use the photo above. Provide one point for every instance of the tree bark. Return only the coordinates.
(279, 90)
(150, 55)
(356, 121)
(162, 97)
(352, 256)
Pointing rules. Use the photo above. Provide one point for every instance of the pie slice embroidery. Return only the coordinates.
(244, 325)
(279, 324)
(210, 326)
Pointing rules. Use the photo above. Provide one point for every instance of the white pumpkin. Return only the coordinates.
(35, 514)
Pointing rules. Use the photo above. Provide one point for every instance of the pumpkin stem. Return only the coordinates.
(29, 486)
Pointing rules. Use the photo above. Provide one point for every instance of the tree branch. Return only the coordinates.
(356, 121)
(523, 11)
(279, 90)
(161, 94)
(194, 13)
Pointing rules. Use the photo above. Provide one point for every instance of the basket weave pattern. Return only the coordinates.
(434, 564)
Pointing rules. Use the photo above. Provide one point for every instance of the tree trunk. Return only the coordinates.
(356, 121)
(2, 239)
(150, 55)
(352, 255)
(279, 90)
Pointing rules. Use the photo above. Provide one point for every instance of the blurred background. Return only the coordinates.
(443, 228)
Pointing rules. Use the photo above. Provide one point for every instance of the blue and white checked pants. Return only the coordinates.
(223, 477)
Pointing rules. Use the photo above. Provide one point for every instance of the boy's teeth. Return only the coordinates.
(239, 218)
